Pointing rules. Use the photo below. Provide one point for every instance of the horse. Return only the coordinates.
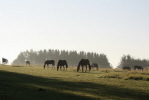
(27, 62)
(84, 62)
(126, 68)
(4, 61)
(62, 63)
(94, 65)
(138, 67)
(47, 62)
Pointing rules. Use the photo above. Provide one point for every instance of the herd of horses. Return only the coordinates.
(62, 65)
(135, 68)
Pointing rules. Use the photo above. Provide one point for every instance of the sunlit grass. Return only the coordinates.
(24, 82)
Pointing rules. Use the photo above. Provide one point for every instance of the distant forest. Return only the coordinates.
(127, 60)
(72, 57)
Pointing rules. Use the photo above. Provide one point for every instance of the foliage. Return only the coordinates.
(126, 75)
(72, 57)
(127, 60)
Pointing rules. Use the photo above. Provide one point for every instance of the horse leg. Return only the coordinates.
(89, 67)
(53, 66)
(96, 68)
(44, 66)
(78, 68)
(63, 68)
(57, 68)
(86, 68)
(82, 68)
(60, 67)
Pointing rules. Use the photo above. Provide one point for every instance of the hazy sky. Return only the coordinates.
(112, 27)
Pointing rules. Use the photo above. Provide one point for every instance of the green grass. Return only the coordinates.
(36, 83)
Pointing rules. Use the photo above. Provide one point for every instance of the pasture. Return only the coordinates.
(37, 83)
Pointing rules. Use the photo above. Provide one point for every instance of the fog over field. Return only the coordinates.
(112, 27)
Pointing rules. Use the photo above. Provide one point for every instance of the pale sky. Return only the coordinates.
(112, 27)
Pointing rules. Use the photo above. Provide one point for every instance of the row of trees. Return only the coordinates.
(72, 57)
(127, 60)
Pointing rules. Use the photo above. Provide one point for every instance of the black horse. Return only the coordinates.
(62, 63)
(27, 62)
(95, 65)
(84, 62)
(47, 62)
(4, 61)
(138, 67)
(126, 68)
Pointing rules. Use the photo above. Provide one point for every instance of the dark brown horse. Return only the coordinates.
(138, 68)
(126, 68)
(82, 63)
(95, 65)
(48, 62)
(62, 63)
(4, 61)
(27, 62)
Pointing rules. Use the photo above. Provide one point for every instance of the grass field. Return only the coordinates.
(36, 83)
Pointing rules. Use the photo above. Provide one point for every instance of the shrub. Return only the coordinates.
(146, 78)
(112, 75)
(134, 77)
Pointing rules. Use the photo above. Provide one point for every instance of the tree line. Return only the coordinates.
(72, 57)
(128, 60)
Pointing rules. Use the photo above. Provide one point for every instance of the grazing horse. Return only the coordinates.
(27, 62)
(126, 68)
(138, 67)
(4, 61)
(84, 62)
(47, 62)
(94, 65)
(62, 63)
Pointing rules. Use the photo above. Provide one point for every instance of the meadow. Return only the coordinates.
(36, 83)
